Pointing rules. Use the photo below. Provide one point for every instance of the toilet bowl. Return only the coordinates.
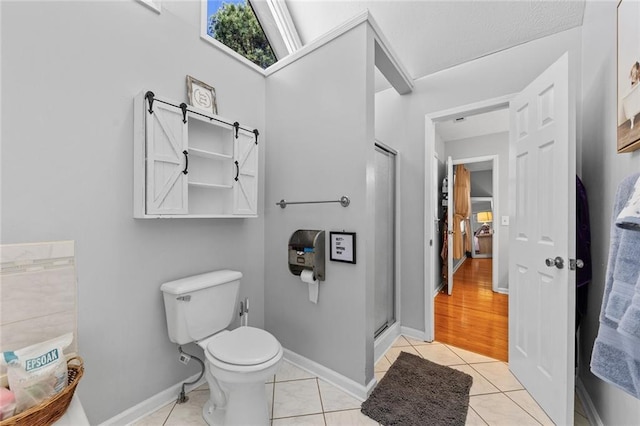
(238, 362)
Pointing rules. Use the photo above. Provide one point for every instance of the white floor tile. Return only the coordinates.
(480, 385)
(440, 354)
(312, 420)
(348, 418)
(379, 375)
(299, 398)
(499, 375)
(401, 341)
(289, 371)
(382, 365)
(189, 413)
(497, 410)
(393, 353)
(334, 399)
(415, 342)
(269, 388)
(157, 417)
(526, 401)
(470, 357)
(473, 419)
(296, 398)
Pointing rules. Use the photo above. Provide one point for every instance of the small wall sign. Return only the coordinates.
(201, 95)
(343, 246)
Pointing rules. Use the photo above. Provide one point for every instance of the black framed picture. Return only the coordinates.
(628, 76)
(343, 247)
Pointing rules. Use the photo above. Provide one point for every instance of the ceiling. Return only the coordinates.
(429, 36)
(487, 123)
(474, 125)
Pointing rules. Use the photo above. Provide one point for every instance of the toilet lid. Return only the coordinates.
(244, 346)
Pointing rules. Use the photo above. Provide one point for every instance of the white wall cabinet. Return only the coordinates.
(188, 163)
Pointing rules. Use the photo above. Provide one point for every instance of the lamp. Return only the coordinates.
(484, 217)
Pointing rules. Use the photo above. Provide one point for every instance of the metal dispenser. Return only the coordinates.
(306, 251)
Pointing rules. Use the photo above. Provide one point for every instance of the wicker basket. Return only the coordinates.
(52, 409)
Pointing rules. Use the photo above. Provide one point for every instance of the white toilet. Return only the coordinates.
(239, 362)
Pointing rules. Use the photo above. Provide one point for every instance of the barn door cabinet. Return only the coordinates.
(188, 163)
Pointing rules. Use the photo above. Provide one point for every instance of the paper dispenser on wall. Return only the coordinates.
(306, 252)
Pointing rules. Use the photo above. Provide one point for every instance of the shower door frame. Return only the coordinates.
(393, 330)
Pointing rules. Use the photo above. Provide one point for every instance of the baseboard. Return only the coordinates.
(459, 264)
(384, 341)
(438, 288)
(587, 404)
(345, 384)
(413, 333)
(154, 403)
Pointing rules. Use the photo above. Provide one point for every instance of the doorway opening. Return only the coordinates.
(470, 304)
(470, 141)
(479, 197)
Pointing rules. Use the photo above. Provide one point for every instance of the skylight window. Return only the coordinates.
(234, 24)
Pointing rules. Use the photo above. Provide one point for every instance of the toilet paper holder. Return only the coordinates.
(306, 252)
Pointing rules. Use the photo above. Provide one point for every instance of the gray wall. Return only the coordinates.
(602, 171)
(70, 71)
(480, 146)
(482, 183)
(320, 123)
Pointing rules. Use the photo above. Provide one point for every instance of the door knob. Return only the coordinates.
(557, 262)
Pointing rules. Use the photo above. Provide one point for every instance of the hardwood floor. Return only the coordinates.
(473, 317)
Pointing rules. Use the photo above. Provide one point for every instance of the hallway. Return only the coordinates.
(473, 317)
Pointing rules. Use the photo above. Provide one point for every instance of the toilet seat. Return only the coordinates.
(244, 346)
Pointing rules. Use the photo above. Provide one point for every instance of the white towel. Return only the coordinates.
(629, 217)
(616, 350)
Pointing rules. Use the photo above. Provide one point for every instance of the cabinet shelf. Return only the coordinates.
(209, 154)
(210, 185)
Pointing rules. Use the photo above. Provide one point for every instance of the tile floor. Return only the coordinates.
(299, 398)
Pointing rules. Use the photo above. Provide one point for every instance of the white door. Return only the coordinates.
(450, 226)
(167, 161)
(436, 236)
(542, 240)
(245, 185)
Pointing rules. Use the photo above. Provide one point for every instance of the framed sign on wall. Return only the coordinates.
(201, 95)
(628, 75)
(343, 246)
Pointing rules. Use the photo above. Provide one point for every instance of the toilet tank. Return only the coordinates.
(200, 305)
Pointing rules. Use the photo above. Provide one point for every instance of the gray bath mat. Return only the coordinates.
(416, 391)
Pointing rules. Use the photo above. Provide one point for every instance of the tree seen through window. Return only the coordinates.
(233, 23)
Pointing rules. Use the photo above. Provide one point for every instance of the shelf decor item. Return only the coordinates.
(53, 408)
(628, 57)
(201, 95)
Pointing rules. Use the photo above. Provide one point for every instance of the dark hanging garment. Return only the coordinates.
(583, 250)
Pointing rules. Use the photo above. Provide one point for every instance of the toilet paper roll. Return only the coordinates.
(307, 277)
